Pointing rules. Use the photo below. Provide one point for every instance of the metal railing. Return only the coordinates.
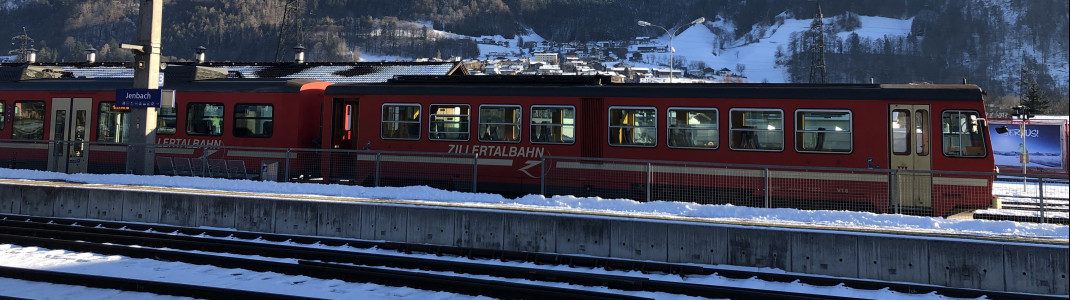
(450, 171)
(1043, 198)
(915, 192)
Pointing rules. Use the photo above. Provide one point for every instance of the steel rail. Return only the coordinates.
(401, 278)
(137, 285)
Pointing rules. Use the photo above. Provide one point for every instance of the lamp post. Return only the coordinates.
(671, 35)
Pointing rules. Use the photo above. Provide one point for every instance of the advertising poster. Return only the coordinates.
(1044, 143)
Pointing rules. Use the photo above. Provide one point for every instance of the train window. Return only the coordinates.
(3, 114)
(921, 130)
(633, 126)
(112, 122)
(204, 119)
(499, 123)
(823, 131)
(166, 121)
(28, 121)
(401, 122)
(450, 122)
(692, 128)
(757, 129)
(900, 127)
(253, 120)
(553, 124)
(963, 134)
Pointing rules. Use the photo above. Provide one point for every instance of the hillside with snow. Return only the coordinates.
(985, 42)
(756, 52)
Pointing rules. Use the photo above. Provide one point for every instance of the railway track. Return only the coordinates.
(412, 271)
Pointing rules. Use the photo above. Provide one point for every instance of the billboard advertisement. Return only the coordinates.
(1044, 146)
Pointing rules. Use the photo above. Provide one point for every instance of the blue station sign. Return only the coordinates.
(138, 97)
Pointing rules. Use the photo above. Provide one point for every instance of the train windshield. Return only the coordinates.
(963, 134)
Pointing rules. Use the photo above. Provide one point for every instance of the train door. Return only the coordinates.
(69, 129)
(344, 125)
(909, 132)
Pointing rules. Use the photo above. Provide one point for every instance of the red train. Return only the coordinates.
(512, 122)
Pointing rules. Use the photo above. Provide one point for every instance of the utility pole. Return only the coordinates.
(142, 135)
(818, 74)
(290, 32)
(24, 42)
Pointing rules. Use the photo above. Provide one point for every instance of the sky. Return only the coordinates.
(118, 266)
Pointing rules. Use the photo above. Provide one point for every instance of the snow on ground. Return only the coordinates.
(275, 283)
(840, 219)
(145, 269)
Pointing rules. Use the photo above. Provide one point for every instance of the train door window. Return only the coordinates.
(825, 131)
(450, 122)
(900, 127)
(921, 130)
(401, 122)
(166, 121)
(499, 123)
(3, 114)
(28, 121)
(633, 126)
(112, 123)
(692, 128)
(553, 124)
(756, 129)
(204, 119)
(963, 134)
(254, 120)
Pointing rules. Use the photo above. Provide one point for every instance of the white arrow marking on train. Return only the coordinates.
(531, 163)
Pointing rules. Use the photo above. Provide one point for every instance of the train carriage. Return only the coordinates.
(511, 123)
(579, 135)
(209, 111)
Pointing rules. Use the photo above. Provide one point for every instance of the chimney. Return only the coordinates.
(91, 54)
(31, 55)
(200, 54)
(299, 54)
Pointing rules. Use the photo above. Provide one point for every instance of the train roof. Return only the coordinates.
(182, 78)
(334, 72)
(595, 86)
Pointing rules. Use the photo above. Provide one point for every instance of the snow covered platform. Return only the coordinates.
(993, 264)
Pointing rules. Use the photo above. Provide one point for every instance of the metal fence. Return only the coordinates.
(450, 171)
(1035, 198)
(931, 193)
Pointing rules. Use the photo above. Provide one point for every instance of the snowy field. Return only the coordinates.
(839, 219)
